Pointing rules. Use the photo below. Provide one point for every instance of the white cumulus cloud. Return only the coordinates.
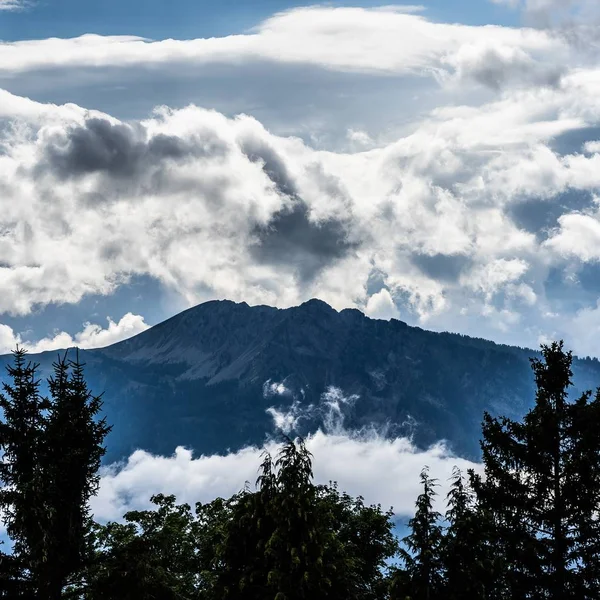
(91, 336)
(383, 471)
(381, 306)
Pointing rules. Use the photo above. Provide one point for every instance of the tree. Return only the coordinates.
(22, 499)
(467, 555)
(275, 540)
(361, 542)
(542, 485)
(291, 539)
(52, 449)
(73, 449)
(422, 556)
(152, 555)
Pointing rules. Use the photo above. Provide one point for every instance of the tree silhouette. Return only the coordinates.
(422, 558)
(542, 484)
(22, 499)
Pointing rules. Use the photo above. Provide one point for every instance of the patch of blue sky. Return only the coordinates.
(143, 296)
(187, 19)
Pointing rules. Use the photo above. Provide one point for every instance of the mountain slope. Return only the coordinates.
(207, 378)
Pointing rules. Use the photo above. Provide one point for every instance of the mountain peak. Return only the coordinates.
(314, 304)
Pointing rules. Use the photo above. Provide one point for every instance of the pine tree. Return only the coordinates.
(22, 499)
(467, 556)
(542, 486)
(423, 563)
(72, 453)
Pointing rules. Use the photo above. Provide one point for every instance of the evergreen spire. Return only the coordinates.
(22, 499)
(423, 555)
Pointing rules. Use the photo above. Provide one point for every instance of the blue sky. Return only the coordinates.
(185, 19)
(431, 163)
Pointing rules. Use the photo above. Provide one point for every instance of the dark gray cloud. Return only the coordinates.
(119, 150)
(539, 215)
(292, 239)
(443, 267)
(258, 150)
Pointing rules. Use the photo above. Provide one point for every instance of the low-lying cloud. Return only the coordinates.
(381, 468)
(382, 471)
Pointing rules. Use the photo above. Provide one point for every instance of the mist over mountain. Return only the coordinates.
(222, 375)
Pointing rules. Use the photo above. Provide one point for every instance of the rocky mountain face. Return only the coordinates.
(217, 376)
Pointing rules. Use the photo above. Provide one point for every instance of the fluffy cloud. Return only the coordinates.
(382, 471)
(92, 336)
(381, 306)
(219, 207)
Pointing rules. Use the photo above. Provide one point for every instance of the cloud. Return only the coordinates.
(91, 336)
(381, 306)
(116, 149)
(583, 330)
(382, 471)
(385, 40)
(382, 468)
(14, 5)
(593, 147)
(577, 236)
(496, 65)
(550, 10)
(213, 206)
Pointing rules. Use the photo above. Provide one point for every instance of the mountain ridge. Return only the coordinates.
(205, 378)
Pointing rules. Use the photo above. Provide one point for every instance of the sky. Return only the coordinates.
(436, 163)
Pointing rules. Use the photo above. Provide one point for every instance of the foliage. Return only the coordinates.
(291, 539)
(52, 450)
(151, 555)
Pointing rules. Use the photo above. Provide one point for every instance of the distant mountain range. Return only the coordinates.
(217, 376)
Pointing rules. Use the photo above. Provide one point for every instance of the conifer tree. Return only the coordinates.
(422, 558)
(542, 487)
(239, 543)
(275, 539)
(467, 556)
(22, 497)
(73, 448)
(297, 543)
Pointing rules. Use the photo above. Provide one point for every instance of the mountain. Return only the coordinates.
(214, 377)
